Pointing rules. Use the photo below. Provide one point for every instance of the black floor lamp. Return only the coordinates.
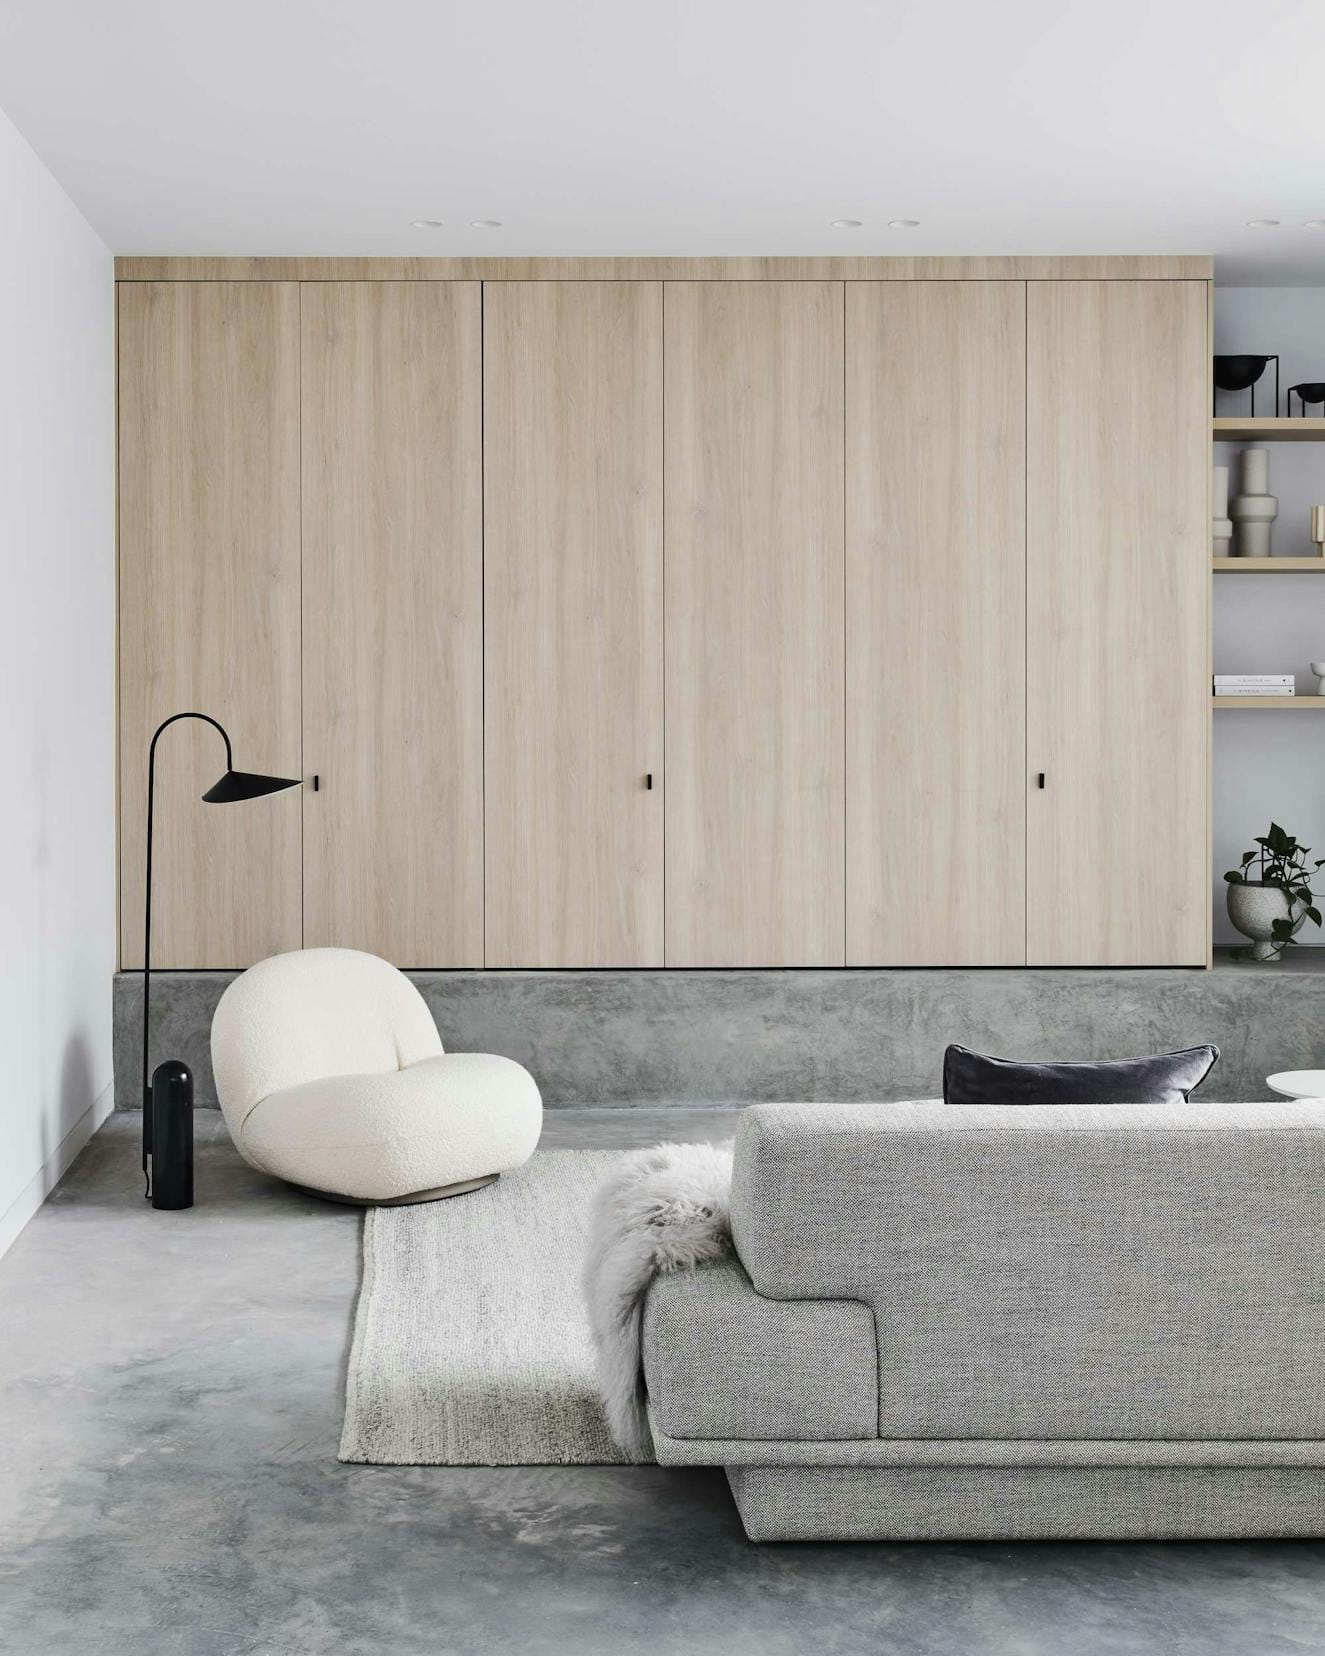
(168, 1096)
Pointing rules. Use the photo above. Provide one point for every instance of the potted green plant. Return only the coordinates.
(1270, 901)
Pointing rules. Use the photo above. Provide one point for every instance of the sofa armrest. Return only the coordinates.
(722, 1362)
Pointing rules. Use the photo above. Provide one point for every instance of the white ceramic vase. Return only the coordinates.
(1253, 511)
(1221, 528)
(1253, 907)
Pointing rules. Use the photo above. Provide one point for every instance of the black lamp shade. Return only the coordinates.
(236, 785)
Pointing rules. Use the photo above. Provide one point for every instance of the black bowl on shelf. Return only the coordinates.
(1236, 373)
(1311, 391)
(1240, 373)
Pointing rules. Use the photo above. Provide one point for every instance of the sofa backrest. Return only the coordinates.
(1097, 1272)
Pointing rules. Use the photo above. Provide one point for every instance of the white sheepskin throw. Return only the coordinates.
(662, 1209)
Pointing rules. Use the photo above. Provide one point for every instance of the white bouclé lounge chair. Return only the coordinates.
(331, 1075)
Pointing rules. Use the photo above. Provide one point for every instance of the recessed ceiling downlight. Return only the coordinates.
(1262, 224)
(485, 224)
(1314, 224)
(427, 224)
(904, 224)
(844, 224)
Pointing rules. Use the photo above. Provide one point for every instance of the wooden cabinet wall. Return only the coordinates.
(754, 624)
(392, 619)
(1117, 610)
(936, 646)
(656, 620)
(209, 613)
(573, 651)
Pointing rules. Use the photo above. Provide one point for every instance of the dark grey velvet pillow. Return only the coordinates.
(1167, 1078)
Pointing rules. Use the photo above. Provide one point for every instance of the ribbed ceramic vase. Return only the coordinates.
(1221, 528)
(1253, 511)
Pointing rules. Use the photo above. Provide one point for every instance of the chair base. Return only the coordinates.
(437, 1194)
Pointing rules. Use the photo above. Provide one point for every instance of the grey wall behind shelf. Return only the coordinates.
(685, 1037)
(1271, 765)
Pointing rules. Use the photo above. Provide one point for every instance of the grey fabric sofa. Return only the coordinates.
(1092, 1321)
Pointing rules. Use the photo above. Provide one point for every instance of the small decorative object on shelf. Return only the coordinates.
(1221, 529)
(1254, 510)
(1240, 373)
(1311, 392)
(1318, 668)
(1271, 907)
(1318, 529)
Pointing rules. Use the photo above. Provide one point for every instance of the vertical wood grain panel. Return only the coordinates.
(1117, 618)
(755, 691)
(936, 591)
(209, 612)
(573, 623)
(392, 502)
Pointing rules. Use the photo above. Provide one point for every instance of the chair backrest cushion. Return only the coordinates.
(311, 1014)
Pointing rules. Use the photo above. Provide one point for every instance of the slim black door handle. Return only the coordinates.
(648, 779)
(1040, 780)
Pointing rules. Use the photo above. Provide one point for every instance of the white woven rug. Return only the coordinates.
(471, 1345)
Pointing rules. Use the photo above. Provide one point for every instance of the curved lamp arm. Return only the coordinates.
(147, 904)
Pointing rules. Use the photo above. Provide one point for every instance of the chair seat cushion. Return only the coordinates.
(461, 1115)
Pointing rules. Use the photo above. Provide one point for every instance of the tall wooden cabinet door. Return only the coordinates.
(573, 623)
(209, 613)
(393, 710)
(755, 692)
(936, 599)
(1117, 619)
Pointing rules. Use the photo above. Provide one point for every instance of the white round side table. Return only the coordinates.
(1298, 1083)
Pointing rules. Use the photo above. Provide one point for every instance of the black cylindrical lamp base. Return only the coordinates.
(172, 1135)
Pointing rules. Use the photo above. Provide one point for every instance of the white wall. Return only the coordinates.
(57, 680)
(1271, 765)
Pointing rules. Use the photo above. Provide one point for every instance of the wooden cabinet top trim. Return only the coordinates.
(1167, 267)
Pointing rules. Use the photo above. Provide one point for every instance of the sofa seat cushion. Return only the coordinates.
(458, 1116)
(721, 1361)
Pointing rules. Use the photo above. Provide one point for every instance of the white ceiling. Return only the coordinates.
(682, 126)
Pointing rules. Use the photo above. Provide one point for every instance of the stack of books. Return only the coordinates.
(1254, 684)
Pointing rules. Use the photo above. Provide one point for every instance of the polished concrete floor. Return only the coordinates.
(170, 1396)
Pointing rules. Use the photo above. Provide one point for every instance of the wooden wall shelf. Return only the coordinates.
(1269, 566)
(1226, 429)
(1266, 704)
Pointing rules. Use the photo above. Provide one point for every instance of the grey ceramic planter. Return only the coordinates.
(1252, 907)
